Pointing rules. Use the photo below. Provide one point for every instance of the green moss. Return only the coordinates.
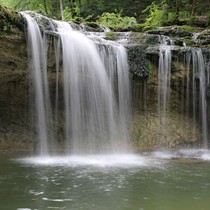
(149, 28)
(190, 29)
(9, 19)
(138, 136)
(189, 41)
(92, 24)
(116, 21)
(138, 36)
(111, 35)
(137, 28)
(150, 68)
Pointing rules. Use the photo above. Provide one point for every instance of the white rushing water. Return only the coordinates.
(193, 154)
(164, 74)
(96, 91)
(98, 161)
(198, 63)
(195, 90)
(200, 74)
(38, 61)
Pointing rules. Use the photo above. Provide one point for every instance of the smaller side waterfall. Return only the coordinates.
(37, 49)
(164, 74)
(96, 90)
(194, 89)
(200, 80)
(194, 93)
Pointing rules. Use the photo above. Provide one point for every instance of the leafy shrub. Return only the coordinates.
(67, 13)
(158, 15)
(116, 21)
(74, 13)
(111, 35)
(184, 14)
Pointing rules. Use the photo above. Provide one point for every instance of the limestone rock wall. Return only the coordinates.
(15, 123)
(17, 127)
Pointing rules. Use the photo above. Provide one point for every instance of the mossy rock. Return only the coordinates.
(137, 62)
(201, 21)
(92, 26)
(143, 39)
(10, 19)
(176, 31)
(111, 35)
(204, 37)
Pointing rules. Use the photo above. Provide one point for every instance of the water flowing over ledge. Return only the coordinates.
(96, 90)
(183, 122)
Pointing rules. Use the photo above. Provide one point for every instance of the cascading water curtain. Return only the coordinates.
(200, 74)
(196, 95)
(164, 74)
(96, 91)
(37, 56)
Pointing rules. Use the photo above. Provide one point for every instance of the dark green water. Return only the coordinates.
(132, 183)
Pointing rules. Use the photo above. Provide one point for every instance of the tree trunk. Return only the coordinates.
(45, 6)
(193, 7)
(61, 8)
(177, 9)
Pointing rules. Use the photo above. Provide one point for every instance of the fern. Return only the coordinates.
(116, 21)
(158, 15)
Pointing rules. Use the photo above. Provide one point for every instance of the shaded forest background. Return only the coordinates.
(109, 13)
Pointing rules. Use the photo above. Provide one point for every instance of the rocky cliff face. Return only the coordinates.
(14, 91)
(183, 125)
(16, 113)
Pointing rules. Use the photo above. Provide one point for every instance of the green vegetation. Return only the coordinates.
(111, 35)
(8, 19)
(132, 15)
(150, 68)
(159, 15)
(116, 21)
(35, 5)
(72, 14)
(163, 14)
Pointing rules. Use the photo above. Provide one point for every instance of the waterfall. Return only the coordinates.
(164, 73)
(197, 91)
(200, 74)
(96, 91)
(194, 89)
(38, 58)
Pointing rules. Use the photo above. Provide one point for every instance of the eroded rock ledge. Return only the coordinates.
(17, 128)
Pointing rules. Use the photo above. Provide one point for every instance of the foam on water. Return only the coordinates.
(23, 209)
(150, 159)
(117, 160)
(202, 154)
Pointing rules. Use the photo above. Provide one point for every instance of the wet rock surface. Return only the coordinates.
(17, 130)
(137, 62)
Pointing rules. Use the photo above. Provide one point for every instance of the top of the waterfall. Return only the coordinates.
(166, 44)
(165, 40)
(50, 25)
(99, 38)
(56, 28)
(45, 23)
